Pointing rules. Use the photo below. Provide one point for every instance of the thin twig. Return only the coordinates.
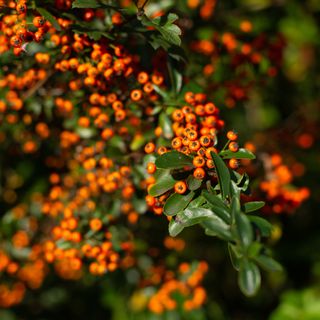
(37, 86)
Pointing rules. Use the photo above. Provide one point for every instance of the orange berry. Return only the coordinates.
(199, 173)
(180, 187)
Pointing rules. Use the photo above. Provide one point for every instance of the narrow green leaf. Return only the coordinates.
(193, 183)
(244, 229)
(48, 16)
(175, 227)
(218, 206)
(176, 203)
(166, 125)
(91, 4)
(197, 202)
(187, 218)
(235, 207)
(214, 226)
(268, 263)
(240, 154)
(173, 160)
(249, 278)
(162, 185)
(165, 25)
(253, 206)
(235, 257)
(223, 175)
(263, 225)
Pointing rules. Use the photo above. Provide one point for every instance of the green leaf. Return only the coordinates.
(91, 4)
(173, 160)
(263, 225)
(175, 227)
(48, 16)
(166, 125)
(165, 25)
(223, 175)
(253, 206)
(240, 154)
(244, 229)
(193, 183)
(235, 207)
(187, 218)
(162, 185)
(218, 206)
(176, 203)
(268, 263)
(214, 226)
(235, 257)
(249, 278)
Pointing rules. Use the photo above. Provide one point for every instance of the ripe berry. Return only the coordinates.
(232, 135)
(233, 163)
(233, 146)
(199, 173)
(151, 168)
(180, 187)
(39, 22)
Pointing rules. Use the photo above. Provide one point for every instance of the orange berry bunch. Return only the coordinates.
(187, 284)
(195, 128)
(15, 29)
(277, 187)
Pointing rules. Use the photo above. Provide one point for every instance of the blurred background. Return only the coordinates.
(258, 61)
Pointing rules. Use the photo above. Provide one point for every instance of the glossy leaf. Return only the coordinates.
(176, 203)
(46, 14)
(162, 185)
(166, 125)
(218, 206)
(223, 175)
(240, 154)
(263, 225)
(187, 218)
(175, 227)
(193, 183)
(244, 229)
(235, 257)
(268, 263)
(173, 160)
(214, 226)
(249, 278)
(253, 206)
(165, 25)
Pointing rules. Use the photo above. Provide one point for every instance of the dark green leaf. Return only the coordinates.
(197, 202)
(90, 4)
(263, 225)
(234, 256)
(235, 207)
(176, 203)
(187, 218)
(249, 277)
(162, 185)
(175, 227)
(218, 206)
(214, 226)
(166, 125)
(173, 160)
(253, 206)
(48, 16)
(268, 263)
(223, 175)
(193, 183)
(240, 154)
(244, 229)
(165, 25)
